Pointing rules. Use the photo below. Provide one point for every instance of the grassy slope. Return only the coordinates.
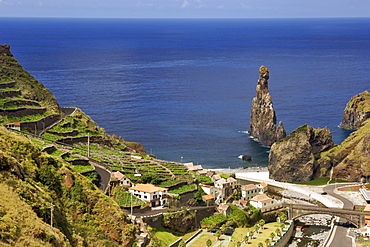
(31, 89)
(30, 180)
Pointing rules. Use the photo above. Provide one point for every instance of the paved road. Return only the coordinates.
(339, 235)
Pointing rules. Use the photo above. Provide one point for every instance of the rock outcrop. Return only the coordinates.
(351, 159)
(294, 158)
(263, 118)
(357, 111)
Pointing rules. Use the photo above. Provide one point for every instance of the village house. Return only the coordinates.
(209, 200)
(155, 196)
(120, 179)
(262, 187)
(265, 203)
(249, 191)
(225, 188)
(224, 209)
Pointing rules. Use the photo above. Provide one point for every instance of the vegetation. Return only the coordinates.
(183, 189)
(30, 90)
(125, 199)
(32, 180)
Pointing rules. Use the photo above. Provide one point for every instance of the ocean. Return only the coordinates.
(183, 87)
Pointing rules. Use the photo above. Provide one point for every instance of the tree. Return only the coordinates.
(224, 228)
(238, 244)
(246, 238)
(150, 178)
(218, 234)
(283, 217)
(267, 242)
(256, 228)
(272, 236)
(209, 243)
(182, 244)
(251, 233)
(278, 232)
(260, 244)
(262, 223)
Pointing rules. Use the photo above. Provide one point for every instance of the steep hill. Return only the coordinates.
(33, 182)
(22, 97)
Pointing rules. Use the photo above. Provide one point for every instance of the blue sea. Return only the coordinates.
(183, 87)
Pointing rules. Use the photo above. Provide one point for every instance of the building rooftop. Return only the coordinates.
(148, 188)
(261, 198)
(208, 197)
(249, 187)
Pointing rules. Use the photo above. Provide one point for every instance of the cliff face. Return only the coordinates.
(357, 111)
(263, 118)
(294, 159)
(351, 159)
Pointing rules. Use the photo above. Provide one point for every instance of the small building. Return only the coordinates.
(155, 196)
(249, 191)
(262, 187)
(265, 203)
(120, 179)
(209, 199)
(365, 231)
(224, 209)
(241, 204)
(16, 126)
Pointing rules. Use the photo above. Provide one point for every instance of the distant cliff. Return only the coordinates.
(357, 111)
(263, 118)
(351, 159)
(294, 159)
(308, 153)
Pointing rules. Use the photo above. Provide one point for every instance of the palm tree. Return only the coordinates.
(209, 243)
(267, 242)
(278, 232)
(260, 244)
(246, 238)
(262, 223)
(218, 234)
(251, 233)
(272, 236)
(256, 228)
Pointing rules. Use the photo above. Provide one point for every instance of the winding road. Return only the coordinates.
(339, 236)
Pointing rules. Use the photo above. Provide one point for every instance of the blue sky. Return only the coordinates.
(185, 8)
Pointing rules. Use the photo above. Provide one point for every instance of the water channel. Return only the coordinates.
(311, 231)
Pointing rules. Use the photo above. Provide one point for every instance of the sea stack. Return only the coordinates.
(263, 118)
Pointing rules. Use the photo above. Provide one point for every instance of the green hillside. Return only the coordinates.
(22, 97)
(30, 181)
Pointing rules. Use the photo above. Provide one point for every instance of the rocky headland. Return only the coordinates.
(309, 153)
(294, 158)
(356, 111)
(263, 118)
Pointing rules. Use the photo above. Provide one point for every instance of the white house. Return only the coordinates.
(265, 203)
(120, 178)
(249, 191)
(155, 196)
(262, 187)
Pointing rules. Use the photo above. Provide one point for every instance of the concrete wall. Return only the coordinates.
(285, 237)
(39, 125)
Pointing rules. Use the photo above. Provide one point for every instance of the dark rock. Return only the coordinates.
(294, 159)
(263, 118)
(246, 158)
